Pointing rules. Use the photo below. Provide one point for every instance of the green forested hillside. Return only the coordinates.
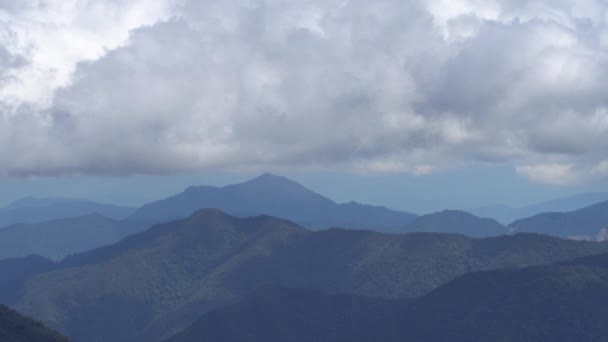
(16, 328)
(15, 272)
(155, 283)
(558, 303)
(277, 314)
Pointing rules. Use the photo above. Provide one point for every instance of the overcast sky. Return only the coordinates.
(368, 92)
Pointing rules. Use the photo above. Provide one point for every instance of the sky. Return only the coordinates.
(413, 104)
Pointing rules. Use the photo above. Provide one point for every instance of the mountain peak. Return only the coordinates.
(278, 196)
(457, 221)
(459, 213)
(270, 175)
(271, 179)
(276, 184)
(265, 180)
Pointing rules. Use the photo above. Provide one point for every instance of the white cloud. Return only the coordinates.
(601, 168)
(52, 36)
(554, 174)
(382, 86)
(421, 170)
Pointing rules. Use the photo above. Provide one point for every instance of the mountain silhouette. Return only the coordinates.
(57, 239)
(456, 222)
(36, 210)
(588, 221)
(506, 214)
(277, 196)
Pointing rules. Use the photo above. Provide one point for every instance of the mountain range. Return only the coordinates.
(506, 214)
(36, 210)
(235, 272)
(585, 222)
(268, 194)
(277, 196)
(560, 303)
(57, 239)
(264, 195)
(155, 283)
(456, 222)
(274, 190)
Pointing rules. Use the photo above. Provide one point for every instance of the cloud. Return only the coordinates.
(601, 168)
(50, 37)
(384, 86)
(554, 174)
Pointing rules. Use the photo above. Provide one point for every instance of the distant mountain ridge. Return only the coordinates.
(268, 194)
(38, 202)
(36, 210)
(277, 196)
(155, 283)
(507, 214)
(456, 222)
(588, 221)
(57, 239)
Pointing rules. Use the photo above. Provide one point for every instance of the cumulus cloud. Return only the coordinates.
(46, 39)
(384, 86)
(555, 174)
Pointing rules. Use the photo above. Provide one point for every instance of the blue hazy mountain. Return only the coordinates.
(276, 196)
(507, 214)
(15, 271)
(456, 222)
(35, 210)
(581, 223)
(57, 239)
(39, 202)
